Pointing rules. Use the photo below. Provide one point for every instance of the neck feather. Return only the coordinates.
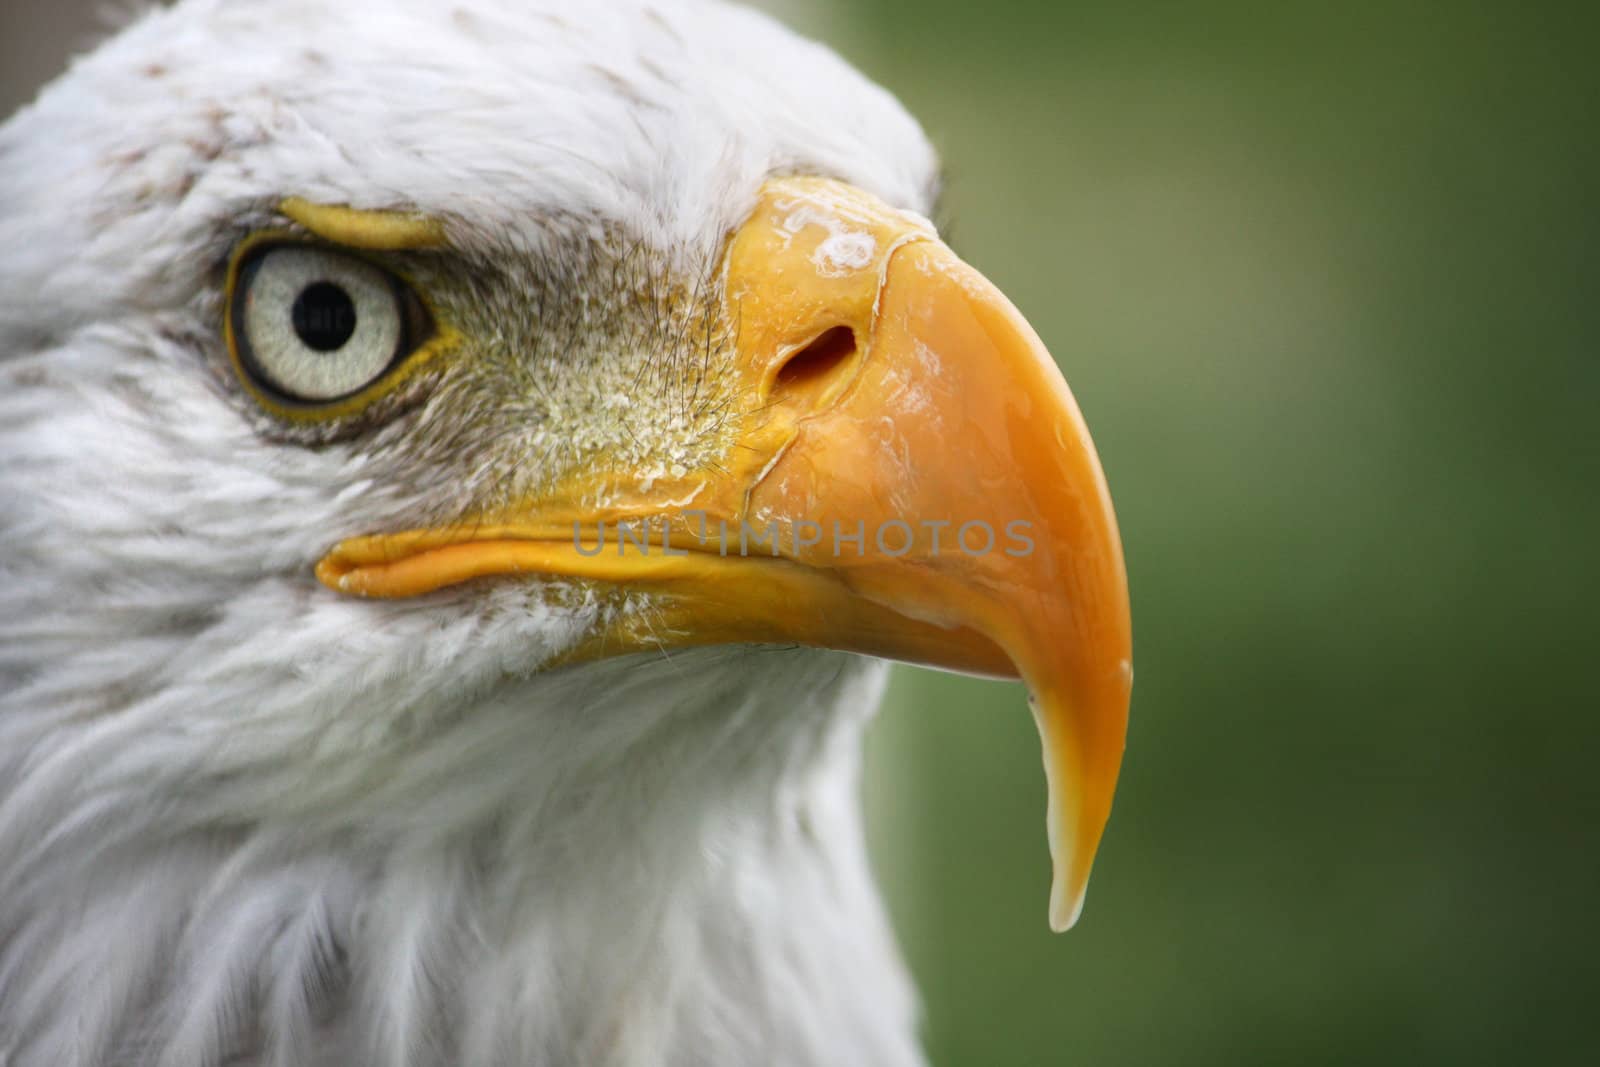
(675, 875)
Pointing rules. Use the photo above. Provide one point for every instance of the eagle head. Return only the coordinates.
(464, 464)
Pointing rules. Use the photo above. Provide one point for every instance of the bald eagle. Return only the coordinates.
(464, 465)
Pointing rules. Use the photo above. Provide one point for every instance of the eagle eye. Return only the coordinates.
(310, 326)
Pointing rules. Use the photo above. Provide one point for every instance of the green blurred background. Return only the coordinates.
(1321, 279)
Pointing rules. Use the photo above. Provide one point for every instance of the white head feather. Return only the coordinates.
(244, 820)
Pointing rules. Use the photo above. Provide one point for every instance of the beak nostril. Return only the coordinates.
(809, 370)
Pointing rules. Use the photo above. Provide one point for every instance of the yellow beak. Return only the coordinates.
(912, 479)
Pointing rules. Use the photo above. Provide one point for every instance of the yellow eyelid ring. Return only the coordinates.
(434, 338)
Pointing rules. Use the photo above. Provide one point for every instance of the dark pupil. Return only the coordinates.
(324, 316)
